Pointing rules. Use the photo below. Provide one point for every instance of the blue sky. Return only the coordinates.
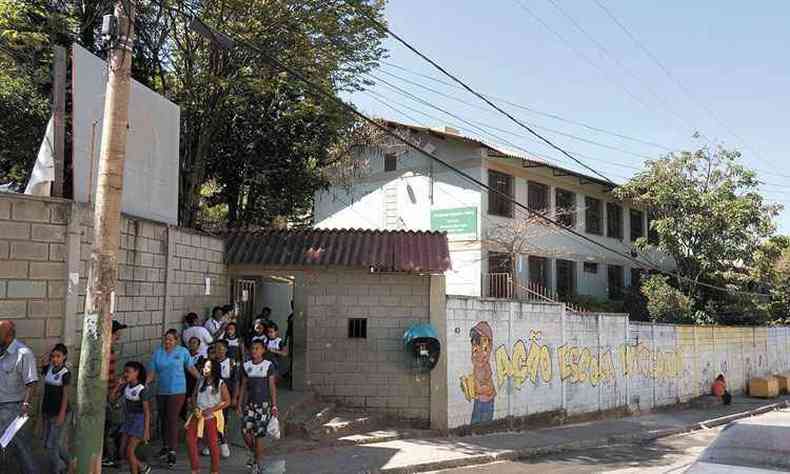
(728, 62)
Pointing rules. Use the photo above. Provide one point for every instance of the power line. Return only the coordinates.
(669, 74)
(526, 108)
(320, 91)
(605, 51)
(484, 99)
(540, 127)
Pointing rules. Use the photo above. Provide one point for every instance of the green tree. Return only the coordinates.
(665, 303)
(707, 212)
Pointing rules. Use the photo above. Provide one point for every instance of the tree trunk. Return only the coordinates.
(102, 278)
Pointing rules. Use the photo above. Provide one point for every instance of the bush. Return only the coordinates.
(666, 303)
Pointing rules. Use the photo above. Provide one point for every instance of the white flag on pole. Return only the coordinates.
(43, 174)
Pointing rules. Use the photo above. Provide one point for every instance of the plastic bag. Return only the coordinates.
(273, 430)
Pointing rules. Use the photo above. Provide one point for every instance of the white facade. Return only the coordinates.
(406, 198)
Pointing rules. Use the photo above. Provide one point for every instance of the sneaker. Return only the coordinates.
(224, 449)
(206, 452)
(250, 462)
(162, 454)
(256, 469)
(109, 462)
(171, 459)
(146, 469)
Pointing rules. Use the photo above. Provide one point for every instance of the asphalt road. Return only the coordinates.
(753, 445)
(668, 455)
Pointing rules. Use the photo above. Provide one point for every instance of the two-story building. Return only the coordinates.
(495, 246)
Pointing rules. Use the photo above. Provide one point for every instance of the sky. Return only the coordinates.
(565, 67)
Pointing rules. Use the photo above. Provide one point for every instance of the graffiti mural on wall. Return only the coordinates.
(522, 365)
(479, 385)
(532, 361)
(579, 365)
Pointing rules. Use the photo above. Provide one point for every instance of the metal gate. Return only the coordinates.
(244, 300)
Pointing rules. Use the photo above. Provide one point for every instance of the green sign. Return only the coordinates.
(459, 223)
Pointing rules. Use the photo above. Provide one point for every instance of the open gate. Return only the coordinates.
(244, 301)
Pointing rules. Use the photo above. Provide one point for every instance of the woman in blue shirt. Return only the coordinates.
(168, 366)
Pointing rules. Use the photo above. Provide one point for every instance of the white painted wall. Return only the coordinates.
(277, 296)
(417, 187)
(150, 184)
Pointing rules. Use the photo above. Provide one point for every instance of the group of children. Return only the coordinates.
(232, 376)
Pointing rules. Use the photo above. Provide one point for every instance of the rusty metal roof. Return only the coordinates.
(385, 251)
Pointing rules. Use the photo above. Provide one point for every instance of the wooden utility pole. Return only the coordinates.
(59, 113)
(103, 273)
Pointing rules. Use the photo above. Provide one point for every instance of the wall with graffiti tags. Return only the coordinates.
(516, 359)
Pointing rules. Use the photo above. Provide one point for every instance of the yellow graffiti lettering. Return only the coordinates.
(580, 365)
(522, 364)
(640, 360)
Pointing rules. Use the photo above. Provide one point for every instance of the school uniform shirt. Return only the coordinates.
(213, 326)
(202, 334)
(234, 348)
(169, 368)
(274, 344)
(56, 379)
(228, 372)
(133, 398)
(257, 376)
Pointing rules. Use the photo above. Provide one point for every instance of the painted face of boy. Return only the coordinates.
(481, 352)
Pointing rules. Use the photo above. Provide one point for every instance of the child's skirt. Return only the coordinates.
(134, 425)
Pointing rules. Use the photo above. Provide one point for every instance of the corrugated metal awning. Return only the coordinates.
(386, 251)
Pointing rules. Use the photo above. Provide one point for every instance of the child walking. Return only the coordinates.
(229, 373)
(137, 408)
(276, 350)
(210, 398)
(55, 406)
(235, 347)
(258, 401)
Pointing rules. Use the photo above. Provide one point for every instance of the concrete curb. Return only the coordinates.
(515, 454)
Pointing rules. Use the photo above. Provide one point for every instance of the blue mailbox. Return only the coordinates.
(421, 342)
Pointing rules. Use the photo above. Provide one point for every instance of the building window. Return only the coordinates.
(537, 196)
(566, 278)
(538, 270)
(637, 224)
(502, 189)
(614, 221)
(590, 267)
(566, 207)
(358, 328)
(615, 282)
(593, 216)
(390, 162)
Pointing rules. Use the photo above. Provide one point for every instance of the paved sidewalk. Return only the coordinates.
(419, 455)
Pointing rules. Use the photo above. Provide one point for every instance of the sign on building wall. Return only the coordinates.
(459, 223)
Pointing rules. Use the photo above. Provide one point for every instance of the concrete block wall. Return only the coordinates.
(161, 276)
(45, 247)
(372, 373)
(193, 259)
(545, 359)
(32, 267)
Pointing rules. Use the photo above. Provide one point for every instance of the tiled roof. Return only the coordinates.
(386, 251)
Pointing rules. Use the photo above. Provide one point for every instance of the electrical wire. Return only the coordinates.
(320, 91)
(385, 29)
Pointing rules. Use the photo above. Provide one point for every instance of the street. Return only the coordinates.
(758, 444)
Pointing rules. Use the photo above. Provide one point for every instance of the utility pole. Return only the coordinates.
(103, 273)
